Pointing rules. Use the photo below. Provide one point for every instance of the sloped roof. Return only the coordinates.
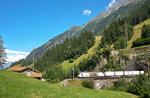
(18, 68)
(36, 75)
(23, 68)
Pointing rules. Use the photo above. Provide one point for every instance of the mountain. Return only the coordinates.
(96, 25)
(56, 40)
(119, 10)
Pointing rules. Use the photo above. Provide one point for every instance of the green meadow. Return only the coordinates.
(17, 85)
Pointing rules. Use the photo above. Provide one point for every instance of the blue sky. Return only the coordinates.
(28, 24)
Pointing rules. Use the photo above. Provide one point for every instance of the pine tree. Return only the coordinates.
(2, 53)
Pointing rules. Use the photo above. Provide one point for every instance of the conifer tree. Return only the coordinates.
(2, 53)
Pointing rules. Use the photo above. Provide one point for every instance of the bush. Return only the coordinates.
(89, 64)
(54, 74)
(71, 60)
(141, 42)
(88, 84)
(146, 31)
(120, 84)
(111, 65)
(106, 52)
(140, 85)
(76, 71)
(120, 44)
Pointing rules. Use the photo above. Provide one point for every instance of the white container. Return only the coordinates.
(118, 73)
(130, 73)
(136, 72)
(109, 73)
(142, 72)
(126, 73)
(100, 74)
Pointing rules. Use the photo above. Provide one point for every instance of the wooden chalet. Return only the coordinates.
(28, 71)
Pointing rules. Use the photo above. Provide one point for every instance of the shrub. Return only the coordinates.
(54, 74)
(140, 85)
(120, 84)
(88, 84)
(141, 42)
(146, 31)
(106, 52)
(76, 71)
(71, 60)
(89, 64)
(120, 44)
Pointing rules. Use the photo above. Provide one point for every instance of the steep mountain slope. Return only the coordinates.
(66, 65)
(118, 10)
(97, 24)
(56, 40)
(137, 32)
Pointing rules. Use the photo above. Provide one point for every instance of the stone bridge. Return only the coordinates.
(99, 83)
(103, 83)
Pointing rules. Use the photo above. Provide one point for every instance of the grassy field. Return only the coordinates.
(77, 83)
(15, 85)
(137, 32)
(66, 65)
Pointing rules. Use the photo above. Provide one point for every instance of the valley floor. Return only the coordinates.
(15, 85)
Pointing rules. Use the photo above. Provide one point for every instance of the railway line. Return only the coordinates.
(102, 78)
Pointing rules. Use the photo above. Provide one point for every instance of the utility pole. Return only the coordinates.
(126, 36)
(70, 73)
(73, 72)
(33, 59)
(148, 67)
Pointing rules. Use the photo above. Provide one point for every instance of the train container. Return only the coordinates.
(100, 74)
(118, 73)
(141, 72)
(109, 73)
(136, 72)
(130, 73)
(93, 74)
(126, 73)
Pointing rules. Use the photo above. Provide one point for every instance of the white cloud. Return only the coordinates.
(13, 56)
(111, 4)
(87, 12)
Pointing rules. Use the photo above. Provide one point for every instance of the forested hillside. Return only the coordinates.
(97, 24)
(145, 39)
(70, 50)
(137, 32)
(120, 32)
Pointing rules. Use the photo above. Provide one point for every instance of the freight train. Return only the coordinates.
(109, 74)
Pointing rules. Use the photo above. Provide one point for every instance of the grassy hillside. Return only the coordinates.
(66, 65)
(15, 85)
(137, 32)
(76, 83)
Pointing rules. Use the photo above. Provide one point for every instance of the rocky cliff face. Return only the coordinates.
(139, 59)
(96, 25)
